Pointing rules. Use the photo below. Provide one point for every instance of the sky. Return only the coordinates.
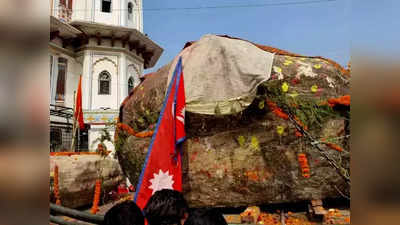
(308, 27)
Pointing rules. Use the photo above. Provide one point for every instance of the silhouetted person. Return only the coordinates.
(205, 217)
(125, 213)
(166, 207)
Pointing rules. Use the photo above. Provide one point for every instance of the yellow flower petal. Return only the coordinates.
(317, 66)
(278, 69)
(293, 95)
(285, 87)
(314, 88)
(241, 140)
(280, 130)
(254, 143)
(261, 104)
(287, 62)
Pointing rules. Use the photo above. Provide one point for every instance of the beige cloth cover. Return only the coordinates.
(221, 75)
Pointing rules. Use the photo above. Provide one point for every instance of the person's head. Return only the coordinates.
(166, 207)
(125, 213)
(205, 217)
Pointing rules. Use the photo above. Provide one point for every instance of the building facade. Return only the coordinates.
(103, 41)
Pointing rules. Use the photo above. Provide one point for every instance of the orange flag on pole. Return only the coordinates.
(78, 105)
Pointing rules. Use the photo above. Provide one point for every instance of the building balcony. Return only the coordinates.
(64, 13)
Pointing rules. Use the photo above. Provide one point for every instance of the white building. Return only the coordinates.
(103, 41)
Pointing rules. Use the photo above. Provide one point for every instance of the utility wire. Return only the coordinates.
(242, 6)
(223, 6)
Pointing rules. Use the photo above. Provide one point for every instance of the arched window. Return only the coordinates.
(130, 11)
(61, 78)
(104, 83)
(131, 84)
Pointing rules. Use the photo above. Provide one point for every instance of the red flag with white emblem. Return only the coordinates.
(163, 165)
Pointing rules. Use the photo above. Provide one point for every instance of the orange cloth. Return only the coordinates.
(78, 105)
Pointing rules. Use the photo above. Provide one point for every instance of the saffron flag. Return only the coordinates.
(163, 165)
(78, 105)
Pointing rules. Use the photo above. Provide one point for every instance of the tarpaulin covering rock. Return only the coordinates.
(241, 148)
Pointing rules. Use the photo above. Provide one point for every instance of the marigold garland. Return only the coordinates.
(333, 146)
(276, 110)
(305, 168)
(279, 112)
(275, 219)
(73, 153)
(145, 134)
(343, 100)
(56, 187)
(96, 200)
(131, 131)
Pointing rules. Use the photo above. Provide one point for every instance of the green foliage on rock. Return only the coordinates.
(308, 108)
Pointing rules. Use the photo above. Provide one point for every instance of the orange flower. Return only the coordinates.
(252, 175)
(298, 134)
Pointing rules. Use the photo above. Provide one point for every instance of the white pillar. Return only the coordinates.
(123, 83)
(87, 80)
(140, 19)
(124, 12)
(53, 81)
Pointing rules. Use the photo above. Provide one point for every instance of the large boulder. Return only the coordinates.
(78, 174)
(239, 151)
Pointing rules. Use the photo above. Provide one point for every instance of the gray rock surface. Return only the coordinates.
(78, 174)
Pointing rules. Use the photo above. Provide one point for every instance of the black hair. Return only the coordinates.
(166, 207)
(205, 217)
(125, 213)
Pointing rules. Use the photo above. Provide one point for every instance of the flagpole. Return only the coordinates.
(73, 126)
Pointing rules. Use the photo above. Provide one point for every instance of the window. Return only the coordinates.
(106, 6)
(130, 10)
(130, 84)
(62, 71)
(104, 83)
